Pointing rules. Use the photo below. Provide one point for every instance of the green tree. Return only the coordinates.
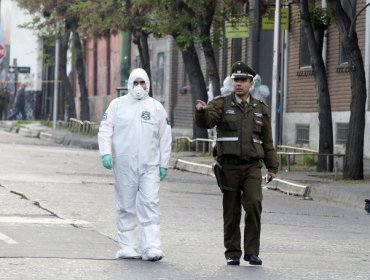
(353, 161)
(190, 24)
(111, 16)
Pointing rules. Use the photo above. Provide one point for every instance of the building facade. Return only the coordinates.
(20, 52)
(300, 123)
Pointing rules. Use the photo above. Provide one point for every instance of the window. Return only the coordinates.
(302, 134)
(342, 133)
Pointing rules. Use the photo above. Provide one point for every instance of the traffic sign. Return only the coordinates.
(19, 69)
(2, 51)
(24, 69)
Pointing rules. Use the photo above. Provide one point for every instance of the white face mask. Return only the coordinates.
(139, 92)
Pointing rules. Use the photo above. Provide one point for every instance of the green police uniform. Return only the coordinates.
(244, 140)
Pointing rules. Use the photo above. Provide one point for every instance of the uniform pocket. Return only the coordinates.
(257, 125)
(257, 144)
(230, 123)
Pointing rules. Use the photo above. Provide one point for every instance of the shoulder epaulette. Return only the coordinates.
(218, 97)
(263, 103)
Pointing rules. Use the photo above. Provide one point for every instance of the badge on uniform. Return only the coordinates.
(230, 112)
(105, 116)
(259, 115)
(168, 121)
(145, 115)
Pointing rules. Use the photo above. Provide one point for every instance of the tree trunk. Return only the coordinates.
(65, 82)
(353, 161)
(141, 39)
(205, 23)
(315, 39)
(81, 73)
(197, 85)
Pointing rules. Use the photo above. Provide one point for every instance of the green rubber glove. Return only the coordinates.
(107, 161)
(162, 172)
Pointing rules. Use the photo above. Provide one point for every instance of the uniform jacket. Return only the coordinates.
(241, 132)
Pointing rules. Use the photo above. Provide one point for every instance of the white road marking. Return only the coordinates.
(7, 239)
(28, 220)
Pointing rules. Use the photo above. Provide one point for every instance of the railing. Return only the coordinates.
(291, 152)
(84, 127)
(203, 145)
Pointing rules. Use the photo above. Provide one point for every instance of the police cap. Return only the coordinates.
(242, 70)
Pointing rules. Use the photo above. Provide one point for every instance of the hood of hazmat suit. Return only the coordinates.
(138, 92)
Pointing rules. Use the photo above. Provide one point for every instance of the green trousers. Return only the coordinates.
(242, 189)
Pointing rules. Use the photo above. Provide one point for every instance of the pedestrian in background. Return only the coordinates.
(227, 86)
(19, 103)
(4, 101)
(244, 140)
(258, 91)
(135, 140)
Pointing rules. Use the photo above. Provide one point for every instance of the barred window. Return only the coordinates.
(342, 133)
(302, 134)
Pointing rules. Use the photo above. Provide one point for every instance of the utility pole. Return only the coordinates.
(275, 73)
(56, 79)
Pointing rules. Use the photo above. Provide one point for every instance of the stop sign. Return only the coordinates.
(2, 51)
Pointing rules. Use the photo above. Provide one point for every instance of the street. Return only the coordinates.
(57, 221)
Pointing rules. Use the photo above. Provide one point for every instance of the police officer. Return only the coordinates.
(244, 141)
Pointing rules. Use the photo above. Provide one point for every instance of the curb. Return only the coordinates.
(290, 188)
(29, 132)
(189, 166)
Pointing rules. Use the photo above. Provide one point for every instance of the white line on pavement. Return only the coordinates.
(28, 220)
(7, 239)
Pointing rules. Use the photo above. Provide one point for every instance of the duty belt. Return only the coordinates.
(236, 160)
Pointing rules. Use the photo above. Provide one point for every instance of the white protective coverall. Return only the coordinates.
(135, 130)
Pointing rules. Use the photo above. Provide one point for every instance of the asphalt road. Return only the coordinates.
(57, 221)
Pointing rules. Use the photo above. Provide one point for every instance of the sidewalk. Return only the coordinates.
(308, 185)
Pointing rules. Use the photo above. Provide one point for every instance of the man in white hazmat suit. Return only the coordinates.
(135, 140)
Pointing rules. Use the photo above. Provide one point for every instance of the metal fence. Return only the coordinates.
(199, 145)
(288, 155)
(84, 127)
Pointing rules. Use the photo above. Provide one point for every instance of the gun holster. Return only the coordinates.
(217, 170)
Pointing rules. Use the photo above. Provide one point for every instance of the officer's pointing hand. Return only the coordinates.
(201, 105)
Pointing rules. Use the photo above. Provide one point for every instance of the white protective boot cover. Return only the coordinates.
(151, 243)
(128, 243)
